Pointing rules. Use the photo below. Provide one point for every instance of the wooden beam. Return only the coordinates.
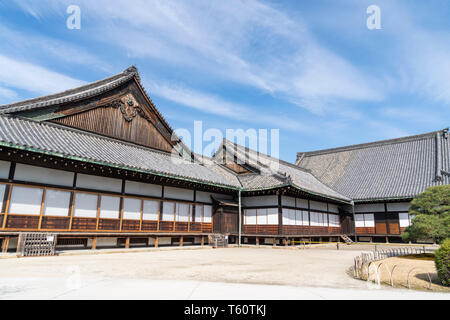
(142, 215)
(94, 244)
(5, 244)
(156, 242)
(5, 217)
(99, 201)
(181, 241)
(72, 201)
(127, 243)
(41, 212)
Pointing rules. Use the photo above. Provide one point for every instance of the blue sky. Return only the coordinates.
(309, 68)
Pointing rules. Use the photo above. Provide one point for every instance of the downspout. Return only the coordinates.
(240, 218)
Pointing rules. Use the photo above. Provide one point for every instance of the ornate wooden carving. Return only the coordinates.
(129, 108)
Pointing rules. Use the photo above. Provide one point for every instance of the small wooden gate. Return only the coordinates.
(36, 244)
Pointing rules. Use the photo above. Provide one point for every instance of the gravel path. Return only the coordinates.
(47, 277)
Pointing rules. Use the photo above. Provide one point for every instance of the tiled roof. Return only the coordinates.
(72, 143)
(274, 173)
(83, 92)
(397, 168)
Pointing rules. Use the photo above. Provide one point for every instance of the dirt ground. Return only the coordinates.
(419, 273)
(324, 268)
(306, 268)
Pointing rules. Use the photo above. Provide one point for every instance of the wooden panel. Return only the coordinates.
(206, 227)
(295, 230)
(195, 226)
(181, 226)
(56, 223)
(261, 229)
(319, 230)
(111, 122)
(250, 229)
(334, 230)
(394, 223)
(237, 167)
(130, 225)
(81, 224)
(380, 223)
(22, 222)
(166, 225)
(365, 230)
(149, 225)
(109, 224)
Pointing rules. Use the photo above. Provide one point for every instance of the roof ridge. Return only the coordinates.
(371, 144)
(292, 165)
(129, 73)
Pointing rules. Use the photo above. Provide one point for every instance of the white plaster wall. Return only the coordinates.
(35, 174)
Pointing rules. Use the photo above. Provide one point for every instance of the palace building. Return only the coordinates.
(99, 166)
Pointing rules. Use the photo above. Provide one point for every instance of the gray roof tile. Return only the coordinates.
(68, 142)
(397, 168)
(275, 172)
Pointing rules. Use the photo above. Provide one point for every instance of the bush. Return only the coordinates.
(442, 262)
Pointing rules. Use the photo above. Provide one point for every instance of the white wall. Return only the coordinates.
(178, 193)
(4, 169)
(288, 201)
(143, 189)
(98, 183)
(398, 206)
(315, 205)
(35, 174)
(373, 207)
(333, 208)
(302, 203)
(260, 201)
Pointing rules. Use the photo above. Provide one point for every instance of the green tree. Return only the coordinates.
(432, 215)
(442, 262)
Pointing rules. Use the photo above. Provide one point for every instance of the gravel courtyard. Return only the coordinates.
(48, 277)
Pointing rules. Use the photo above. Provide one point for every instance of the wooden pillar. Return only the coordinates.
(127, 243)
(156, 242)
(257, 241)
(387, 239)
(203, 241)
(274, 243)
(181, 241)
(285, 242)
(94, 244)
(280, 214)
(42, 208)
(5, 244)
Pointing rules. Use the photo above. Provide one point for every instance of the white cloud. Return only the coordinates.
(212, 104)
(33, 78)
(247, 42)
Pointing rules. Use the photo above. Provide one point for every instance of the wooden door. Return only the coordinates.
(230, 222)
(217, 221)
(380, 223)
(347, 224)
(394, 223)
